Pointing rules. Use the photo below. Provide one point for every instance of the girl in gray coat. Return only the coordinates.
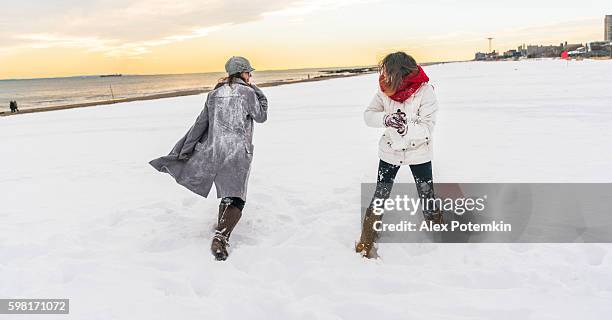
(218, 148)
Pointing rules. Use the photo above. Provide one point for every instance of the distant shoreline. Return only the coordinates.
(330, 75)
(166, 95)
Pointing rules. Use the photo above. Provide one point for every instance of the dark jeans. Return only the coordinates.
(423, 178)
(234, 201)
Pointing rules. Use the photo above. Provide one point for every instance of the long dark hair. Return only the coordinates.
(395, 67)
(229, 80)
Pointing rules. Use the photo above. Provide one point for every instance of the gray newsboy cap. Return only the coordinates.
(237, 65)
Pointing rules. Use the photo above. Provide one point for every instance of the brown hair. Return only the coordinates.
(229, 80)
(396, 66)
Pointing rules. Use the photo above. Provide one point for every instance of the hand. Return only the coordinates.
(396, 120)
(246, 76)
(258, 91)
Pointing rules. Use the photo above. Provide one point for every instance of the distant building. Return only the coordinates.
(512, 54)
(592, 49)
(572, 46)
(493, 55)
(544, 51)
(608, 28)
(579, 52)
(598, 49)
(479, 56)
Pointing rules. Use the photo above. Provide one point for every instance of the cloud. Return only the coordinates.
(119, 28)
(301, 8)
(133, 27)
(111, 47)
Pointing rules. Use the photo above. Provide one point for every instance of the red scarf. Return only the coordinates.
(410, 84)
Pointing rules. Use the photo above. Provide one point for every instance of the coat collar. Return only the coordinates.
(236, 81)
(240, 81)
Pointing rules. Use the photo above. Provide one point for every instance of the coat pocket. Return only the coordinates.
(384, 144)
(417, 137)
(417, 143)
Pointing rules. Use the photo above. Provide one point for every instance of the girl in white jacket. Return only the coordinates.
(406, 106)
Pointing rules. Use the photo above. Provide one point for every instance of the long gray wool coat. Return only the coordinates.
(218, 148)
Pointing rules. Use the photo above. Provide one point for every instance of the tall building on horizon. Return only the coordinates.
(608, 28)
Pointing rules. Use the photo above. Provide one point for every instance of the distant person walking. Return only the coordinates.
(13, 106)
(218, 148)
(405, 104)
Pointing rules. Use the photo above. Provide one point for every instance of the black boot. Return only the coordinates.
(229, 215)
(430, 211)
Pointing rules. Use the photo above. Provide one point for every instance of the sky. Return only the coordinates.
(42, 38)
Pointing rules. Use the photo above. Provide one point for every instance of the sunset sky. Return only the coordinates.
(77, 37)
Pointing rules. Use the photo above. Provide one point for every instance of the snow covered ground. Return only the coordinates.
(83, 216)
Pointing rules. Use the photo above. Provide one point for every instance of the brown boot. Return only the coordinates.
(436, 218)
(218, 247)
(365, 246)
(228, 218)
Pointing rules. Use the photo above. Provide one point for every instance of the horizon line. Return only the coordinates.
(188, 73)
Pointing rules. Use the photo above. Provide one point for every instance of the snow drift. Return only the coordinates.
(83, 216)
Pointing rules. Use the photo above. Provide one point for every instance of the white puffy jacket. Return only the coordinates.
(416, 145)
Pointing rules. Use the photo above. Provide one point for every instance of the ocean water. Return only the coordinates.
(30, 93)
